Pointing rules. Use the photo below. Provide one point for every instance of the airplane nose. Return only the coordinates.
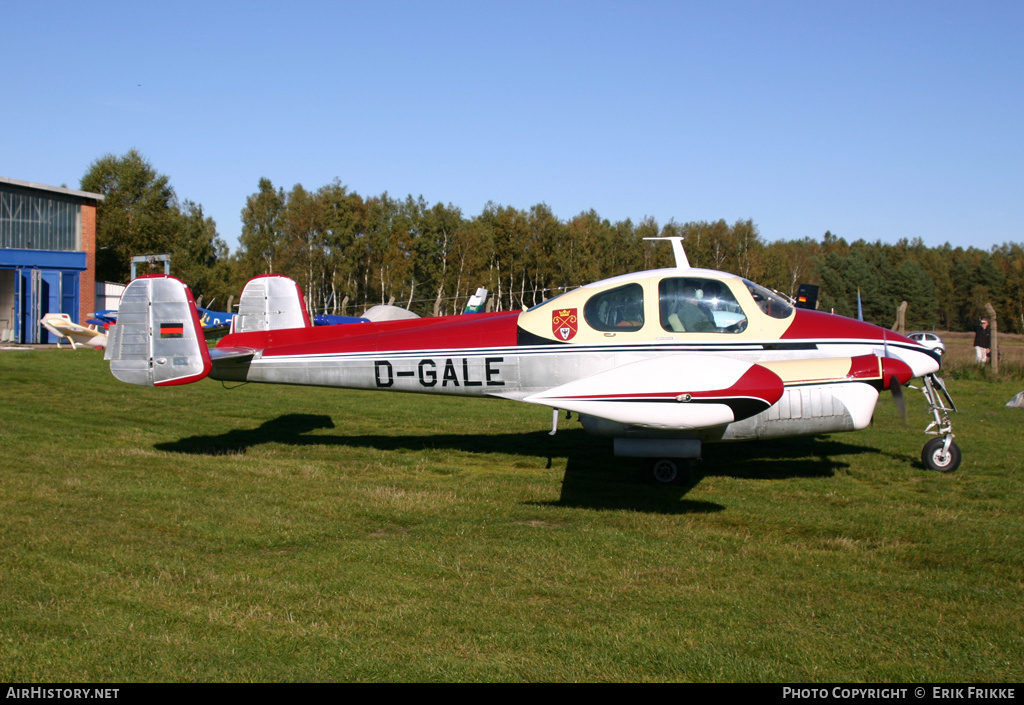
(893, 367)
(920, 359)
(808, 324)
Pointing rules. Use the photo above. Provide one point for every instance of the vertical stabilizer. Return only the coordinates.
(270, 302)
(158, 339)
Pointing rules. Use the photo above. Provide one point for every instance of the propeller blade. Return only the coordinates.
(897, 397)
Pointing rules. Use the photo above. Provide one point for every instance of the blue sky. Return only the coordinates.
(875, 120)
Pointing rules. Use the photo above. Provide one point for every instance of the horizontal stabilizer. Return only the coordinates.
(270, 302)
(158, 339)
(231, 353)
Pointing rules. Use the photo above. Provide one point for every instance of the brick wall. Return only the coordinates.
(87, 281)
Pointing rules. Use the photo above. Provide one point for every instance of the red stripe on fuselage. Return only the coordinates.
(479, 330)
(818, 324)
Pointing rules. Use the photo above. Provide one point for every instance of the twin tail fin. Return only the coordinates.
(158, 340)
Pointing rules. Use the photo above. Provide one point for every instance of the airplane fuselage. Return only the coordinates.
(508, 355)
(661, 361)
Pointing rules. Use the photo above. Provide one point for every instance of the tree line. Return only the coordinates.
(349, 252)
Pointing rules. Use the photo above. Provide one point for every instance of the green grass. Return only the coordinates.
(294, 534)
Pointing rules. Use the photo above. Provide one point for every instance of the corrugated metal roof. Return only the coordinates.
(86, 195)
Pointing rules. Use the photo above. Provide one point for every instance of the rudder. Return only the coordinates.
(158, 339)
(270, 302)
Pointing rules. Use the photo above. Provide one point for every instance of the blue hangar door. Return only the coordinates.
(9, 305)
(45, 291)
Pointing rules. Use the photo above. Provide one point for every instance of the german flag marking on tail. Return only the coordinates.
(172, 330)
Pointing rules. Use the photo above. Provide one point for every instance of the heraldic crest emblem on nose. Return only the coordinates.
(563, 323)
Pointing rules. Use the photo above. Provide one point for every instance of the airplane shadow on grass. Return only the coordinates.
(594, 478)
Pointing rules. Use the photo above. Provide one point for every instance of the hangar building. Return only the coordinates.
(47, 257)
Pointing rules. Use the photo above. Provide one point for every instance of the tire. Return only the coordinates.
(933, 458)
(665, 471)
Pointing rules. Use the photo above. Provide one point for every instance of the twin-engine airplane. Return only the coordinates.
(661, 361)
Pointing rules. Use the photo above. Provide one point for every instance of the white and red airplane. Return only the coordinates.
(662, 361)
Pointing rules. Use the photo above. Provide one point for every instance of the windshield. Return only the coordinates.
(768, 301)
(692, 304)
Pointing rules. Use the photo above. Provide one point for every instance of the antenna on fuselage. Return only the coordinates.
(677, 249)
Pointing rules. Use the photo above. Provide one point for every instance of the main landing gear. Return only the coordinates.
(940, 453)
(666, 471)
(664, 461)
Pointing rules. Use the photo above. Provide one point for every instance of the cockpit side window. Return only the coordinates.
(619, 310)
(697, 305)
(768, 301)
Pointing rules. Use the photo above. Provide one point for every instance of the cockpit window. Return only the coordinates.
(769, 302)
(697, 305)
(620, 309)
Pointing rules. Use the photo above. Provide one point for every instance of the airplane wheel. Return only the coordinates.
(933, 458)
(665, 471)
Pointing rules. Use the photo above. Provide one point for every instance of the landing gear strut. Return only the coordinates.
(940, 453)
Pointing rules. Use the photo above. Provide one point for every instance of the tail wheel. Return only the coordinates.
(665, 471)
(934, 458)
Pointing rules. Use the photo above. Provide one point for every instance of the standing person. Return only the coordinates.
(982, 342)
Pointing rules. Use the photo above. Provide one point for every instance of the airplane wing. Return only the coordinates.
(670, 392)
(681, 392)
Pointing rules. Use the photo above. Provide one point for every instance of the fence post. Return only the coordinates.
(900, 326)
(994, 331)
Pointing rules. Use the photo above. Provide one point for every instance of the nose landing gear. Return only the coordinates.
(940, 453)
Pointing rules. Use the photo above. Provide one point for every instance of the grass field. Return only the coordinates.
(295, 534)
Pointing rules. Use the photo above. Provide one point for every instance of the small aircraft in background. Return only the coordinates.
(215, 319)
(103, 319)
(61, 325)
(661, 361)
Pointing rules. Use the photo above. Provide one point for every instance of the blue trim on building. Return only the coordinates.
(42, 259)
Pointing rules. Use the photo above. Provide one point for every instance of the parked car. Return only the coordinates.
(929, 340)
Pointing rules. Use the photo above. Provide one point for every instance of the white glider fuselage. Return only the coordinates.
(61, 325)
